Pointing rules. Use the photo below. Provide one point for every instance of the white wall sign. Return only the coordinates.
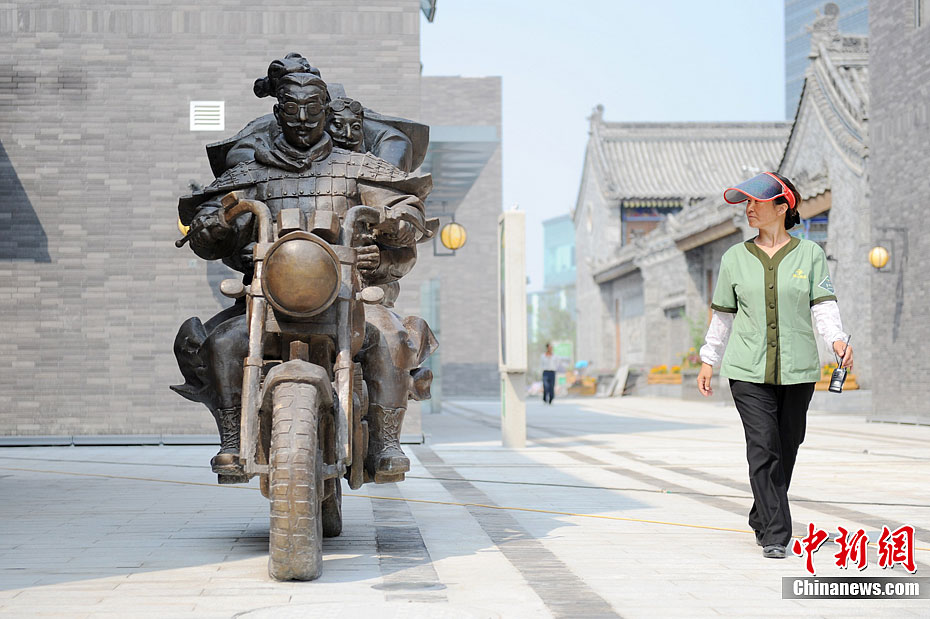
(208, 115)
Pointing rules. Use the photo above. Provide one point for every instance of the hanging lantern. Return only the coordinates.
(453, 236)
(878, 257)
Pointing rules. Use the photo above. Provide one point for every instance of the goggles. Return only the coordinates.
(340, 104)
(763, 187)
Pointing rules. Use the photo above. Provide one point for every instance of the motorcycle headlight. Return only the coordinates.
(301, 275)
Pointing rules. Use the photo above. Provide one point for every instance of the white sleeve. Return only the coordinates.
(829, 325)
(718, 334)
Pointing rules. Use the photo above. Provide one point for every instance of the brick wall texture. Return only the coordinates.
(468, 312)
(900, 185)
(95, 149)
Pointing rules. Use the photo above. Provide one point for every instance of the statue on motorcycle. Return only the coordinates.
(321, 156)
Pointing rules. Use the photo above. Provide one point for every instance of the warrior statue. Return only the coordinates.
(315, 153)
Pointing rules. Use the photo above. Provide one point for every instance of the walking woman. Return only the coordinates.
(767, 291)
(549, 366)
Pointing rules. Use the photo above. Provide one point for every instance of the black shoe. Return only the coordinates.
(774, 551)
(758, 538)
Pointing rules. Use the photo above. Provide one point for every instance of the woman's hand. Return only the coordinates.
(703, 379)
(840, 347)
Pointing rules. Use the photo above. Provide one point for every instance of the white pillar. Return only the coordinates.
(511, 228)
(513, 409)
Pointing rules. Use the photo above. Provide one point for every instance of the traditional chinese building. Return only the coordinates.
(634, 286)
(827, 157)
(853, 18)
(659, 286)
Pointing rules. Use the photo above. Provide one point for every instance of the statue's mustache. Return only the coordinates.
(297, 124)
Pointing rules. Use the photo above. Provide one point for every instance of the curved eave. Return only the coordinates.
(835, 91)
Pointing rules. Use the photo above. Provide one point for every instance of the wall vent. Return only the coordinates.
(208, 116)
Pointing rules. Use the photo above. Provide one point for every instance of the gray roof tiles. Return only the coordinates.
(683, 160)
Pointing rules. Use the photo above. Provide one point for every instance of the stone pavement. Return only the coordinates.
(632, 507)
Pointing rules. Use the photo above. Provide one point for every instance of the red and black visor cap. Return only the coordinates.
(763, 187)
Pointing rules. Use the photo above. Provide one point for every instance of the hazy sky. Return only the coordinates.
(645, 60)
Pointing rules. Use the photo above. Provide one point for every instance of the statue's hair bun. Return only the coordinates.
(292, 63)
(262, 87)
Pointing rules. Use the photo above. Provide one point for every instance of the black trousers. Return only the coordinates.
(548, 386)
(774, 421)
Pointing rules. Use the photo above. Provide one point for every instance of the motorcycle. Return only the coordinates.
(304, 399)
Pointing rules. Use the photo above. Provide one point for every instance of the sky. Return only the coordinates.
(644, 60)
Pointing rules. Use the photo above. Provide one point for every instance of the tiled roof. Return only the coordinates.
(682, 160)
(836, 86)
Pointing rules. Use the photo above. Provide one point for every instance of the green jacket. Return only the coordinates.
(772, 340)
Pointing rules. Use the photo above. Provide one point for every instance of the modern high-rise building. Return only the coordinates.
(799, 16)
(559, 248)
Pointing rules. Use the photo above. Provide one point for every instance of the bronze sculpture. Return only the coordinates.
(322, 233)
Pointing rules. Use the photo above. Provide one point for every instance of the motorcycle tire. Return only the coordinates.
(296, 536)
(332, 511)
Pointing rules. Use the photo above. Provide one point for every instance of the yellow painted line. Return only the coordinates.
(161, 481)
(426, 501)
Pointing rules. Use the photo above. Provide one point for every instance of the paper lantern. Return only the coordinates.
(878, 257)
(453, 236)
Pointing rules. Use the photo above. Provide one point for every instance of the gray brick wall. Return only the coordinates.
(95, 151)
(468, 280)
(900, 184)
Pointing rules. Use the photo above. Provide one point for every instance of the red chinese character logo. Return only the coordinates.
(900, 548)
(853, 549)
(814, 540)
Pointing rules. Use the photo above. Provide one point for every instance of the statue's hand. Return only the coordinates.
(403, 235)
(369, 257)
(210, 235)
(398, 230)
(212, 227)
(246, 256)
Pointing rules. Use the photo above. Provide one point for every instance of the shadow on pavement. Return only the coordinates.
(74, 514)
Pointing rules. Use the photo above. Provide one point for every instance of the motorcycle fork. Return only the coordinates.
(319, 351)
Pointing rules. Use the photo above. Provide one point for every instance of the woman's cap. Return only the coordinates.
(763, 187)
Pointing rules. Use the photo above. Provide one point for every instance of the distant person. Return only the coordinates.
(766, 292)
(549, 364)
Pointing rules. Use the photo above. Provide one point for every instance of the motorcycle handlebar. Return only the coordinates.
(235, 206)
(375, 216)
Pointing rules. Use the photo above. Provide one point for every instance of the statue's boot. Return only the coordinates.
(226, 461)
(386, 461)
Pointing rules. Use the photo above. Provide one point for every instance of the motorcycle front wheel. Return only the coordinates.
(296, 535)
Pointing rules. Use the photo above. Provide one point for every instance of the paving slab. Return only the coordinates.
(630, 507)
